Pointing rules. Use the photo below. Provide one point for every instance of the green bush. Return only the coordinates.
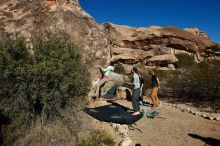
(198, 82)
(40, 83)
(161, 63)
(147, 80)
(184, 60)
(98, 138)
(120, 69)
(214, 48)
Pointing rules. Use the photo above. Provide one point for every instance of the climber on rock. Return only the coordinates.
(105, 77)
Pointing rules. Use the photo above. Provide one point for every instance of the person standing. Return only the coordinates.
(105, 77)
(155, 84)
(141, 101)
(136, 92)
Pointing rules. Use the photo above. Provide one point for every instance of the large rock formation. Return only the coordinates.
(35, 18)
(121, 44)
(146, 45)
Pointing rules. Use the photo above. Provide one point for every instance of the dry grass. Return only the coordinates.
(99, 138)
(51, 134)
(73, 129)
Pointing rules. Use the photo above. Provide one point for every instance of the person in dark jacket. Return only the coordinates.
(141, 88)
(155, 85)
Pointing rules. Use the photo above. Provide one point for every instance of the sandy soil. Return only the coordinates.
(173, 128)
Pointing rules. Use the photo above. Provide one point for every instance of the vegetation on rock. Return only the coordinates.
(214, 48)
(184, 60)
(119, 68)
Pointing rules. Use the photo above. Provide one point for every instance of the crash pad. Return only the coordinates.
(113, 113)
(111, 93)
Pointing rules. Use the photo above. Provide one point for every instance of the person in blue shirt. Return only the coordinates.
(105, 77)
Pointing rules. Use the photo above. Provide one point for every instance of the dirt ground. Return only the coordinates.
(173, 128)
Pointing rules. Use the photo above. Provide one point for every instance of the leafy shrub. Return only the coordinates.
(120, 69)
(184, 60)
(40, 83)
(98, 138)
(161, 63)
(198, 82)
(147, 80)
(214, 48)
(4, 120)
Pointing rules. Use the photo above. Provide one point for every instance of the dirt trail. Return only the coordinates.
(174, 128)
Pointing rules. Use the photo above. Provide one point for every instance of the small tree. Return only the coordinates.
(120, 69)
(184, 60)
(214, 48)
(42, 82)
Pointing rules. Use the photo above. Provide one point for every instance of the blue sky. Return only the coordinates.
(204, 14)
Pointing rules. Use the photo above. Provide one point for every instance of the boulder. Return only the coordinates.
(123, 130)
(114, 79)
(126, 58)
(217, 118)
(154, 41)
(98, 54)
(124, 93)
(118, 78)
(211, 118)
(171, 66)
(183, 110)
(125, 142)
(92, 37)
(52, 16)
(204, 115)
(166, 57)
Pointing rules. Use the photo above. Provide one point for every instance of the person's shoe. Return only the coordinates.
(135, 113)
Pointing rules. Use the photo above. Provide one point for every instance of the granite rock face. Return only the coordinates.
(133, 45)
(34, 18)
(120, 44)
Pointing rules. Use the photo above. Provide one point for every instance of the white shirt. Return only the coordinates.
(107, 70)
(136, 81)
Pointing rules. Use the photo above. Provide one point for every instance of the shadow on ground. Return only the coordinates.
(208, 140)
(113, 112)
